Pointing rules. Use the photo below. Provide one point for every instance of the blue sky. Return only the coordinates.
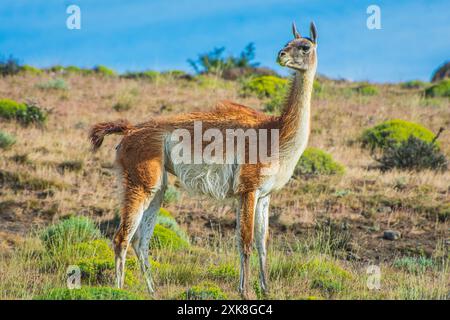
(163, 34)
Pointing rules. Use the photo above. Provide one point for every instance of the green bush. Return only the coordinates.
(317, 162)
(9, 108)
(30, 70)
(264, 86)
(164, 237)
(53, 84)
(204, 291)
(441, 89)
(31, 114)
(367, 90)
(88, 293)
(24, 113)
(147, 75)
(104, 71)
(413, 154)
(166, 220)
(393, 132)
(413, 84)
(68, 232)
(6, 140)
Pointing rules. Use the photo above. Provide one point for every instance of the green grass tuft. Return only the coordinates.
(88, 293)
(6, 140)
(69, 231)
(204, 291)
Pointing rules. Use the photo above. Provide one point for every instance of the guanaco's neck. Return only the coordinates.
(294, 121)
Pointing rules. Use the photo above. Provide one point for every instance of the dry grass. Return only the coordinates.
(362, 203)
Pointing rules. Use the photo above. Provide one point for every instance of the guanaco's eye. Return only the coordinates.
(305, 47)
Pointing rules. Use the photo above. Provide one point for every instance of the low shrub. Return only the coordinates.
(147, 75)
(6, 140)
(441, 89)
(393, 132)
(164, 237)
(68, 232)
(24, 113)
(413, 84)
(31, 114)
(204, 291)
(53, 84)
(366, 90)
(414, 264)
(317, 162)
(264, 86)
(104, 71)
(88, 293)
(30, 70)
(413, 154)
(166, 220)
(9, 108)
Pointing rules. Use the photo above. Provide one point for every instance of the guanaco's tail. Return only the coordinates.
(100, 130)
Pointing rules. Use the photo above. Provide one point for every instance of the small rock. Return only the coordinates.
(391, 235)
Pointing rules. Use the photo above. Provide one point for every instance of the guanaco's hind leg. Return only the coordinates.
(261, 237)
(141, 184)
(245, 222)
(144, 233)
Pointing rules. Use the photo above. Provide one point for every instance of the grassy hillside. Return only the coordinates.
(326, 229)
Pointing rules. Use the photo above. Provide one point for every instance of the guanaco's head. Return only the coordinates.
(300, 53)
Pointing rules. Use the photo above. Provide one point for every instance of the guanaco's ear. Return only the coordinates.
(313, 32)
(295, 32)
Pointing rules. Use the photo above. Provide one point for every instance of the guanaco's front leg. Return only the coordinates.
(245, 230)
